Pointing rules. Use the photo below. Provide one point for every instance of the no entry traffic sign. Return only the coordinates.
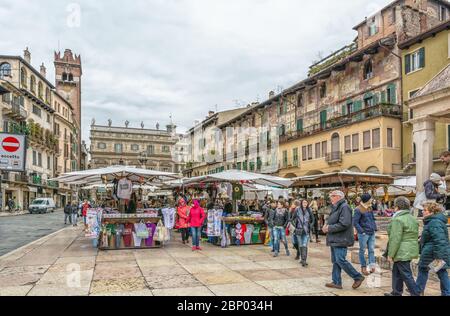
(12, 152)
(11, 144)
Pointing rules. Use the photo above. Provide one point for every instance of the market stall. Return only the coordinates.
(111, 227)
(235, 228)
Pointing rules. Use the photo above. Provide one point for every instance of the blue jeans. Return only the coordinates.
(279, 233)
(401, 273)
(74, 218)
(338, 258)
(302, 240)
(196, 231)
(422, 279)
(369, 242)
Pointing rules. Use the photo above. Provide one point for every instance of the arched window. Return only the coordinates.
(47, 96)
(335, 146)
(354, 169)
(40, 90)
(33, 84)
(64, 76)
(70, 77)
(23, 77)
(373, 170)
(5, 70)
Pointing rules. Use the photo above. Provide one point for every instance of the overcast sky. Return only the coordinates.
(145, 59)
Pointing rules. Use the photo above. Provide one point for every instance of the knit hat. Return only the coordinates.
(366, 200)
(436, 178)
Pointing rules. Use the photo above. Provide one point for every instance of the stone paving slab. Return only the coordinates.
(172, 281)
(15, 290)
(240, 289)
(186, 291)
(118, 285)
(222, 277)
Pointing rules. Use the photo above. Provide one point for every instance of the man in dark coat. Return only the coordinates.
(339, 230)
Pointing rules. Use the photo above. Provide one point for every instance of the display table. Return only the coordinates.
(120, 231)
(243, 230)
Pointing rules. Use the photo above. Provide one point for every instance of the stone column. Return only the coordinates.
(423, 137)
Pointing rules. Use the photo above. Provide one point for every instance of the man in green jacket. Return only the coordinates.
(403, 246)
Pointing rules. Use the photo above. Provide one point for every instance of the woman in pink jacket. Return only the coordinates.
(182, 223)
(195, 220)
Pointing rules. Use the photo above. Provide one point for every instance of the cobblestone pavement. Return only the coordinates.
(65, 263)
(16, 231)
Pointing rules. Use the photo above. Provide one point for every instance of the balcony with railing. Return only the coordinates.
(344, 120)
(334, 157)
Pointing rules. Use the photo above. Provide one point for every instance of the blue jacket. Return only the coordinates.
(434, 241)
(432, 193)
(364, 222)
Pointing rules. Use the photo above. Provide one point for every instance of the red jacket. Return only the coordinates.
(84, 209)
(183, 213)
(196, 216)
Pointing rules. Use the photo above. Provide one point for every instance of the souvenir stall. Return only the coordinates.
(226, 229)
(110, 226)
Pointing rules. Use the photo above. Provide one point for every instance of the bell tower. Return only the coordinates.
(68, 74)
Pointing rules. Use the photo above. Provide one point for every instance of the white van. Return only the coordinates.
(42, 205)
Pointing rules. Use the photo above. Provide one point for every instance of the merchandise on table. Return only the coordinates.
(240, 230)
(214, 220)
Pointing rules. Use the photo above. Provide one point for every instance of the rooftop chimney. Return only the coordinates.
(210, 113)
(27, 55)
(271, 94)
(43, 70)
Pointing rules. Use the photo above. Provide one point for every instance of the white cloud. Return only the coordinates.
(145, 59)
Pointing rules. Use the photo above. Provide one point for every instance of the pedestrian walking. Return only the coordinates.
(74, 214)
(403, 246)
(339, 230)
(295, 205)
(279, 220)
(195, 220)
(315, 210)
(270, 210)
(84, 208)
(182, 220)
(68, 213)
(303, 222)
(431, 188)
(364, 222)
(435, 247)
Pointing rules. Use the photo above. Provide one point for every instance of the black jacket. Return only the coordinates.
(432, 193)
(340, 231)
(68, 209)
(278, 218)
(295, 219)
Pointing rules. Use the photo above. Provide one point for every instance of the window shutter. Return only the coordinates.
(376, 98)
(422, 57)
(300, 125)
(344, 110)
(408, 63)
(358, 106)
(393, 94)
(383, 96)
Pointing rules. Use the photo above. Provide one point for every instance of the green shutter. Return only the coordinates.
(393, 89)
(422, 57)
(358, 106)
(376, 98)
(300, 125)
(323, 118)
(408, 63)
(383, 96)
(344, 109)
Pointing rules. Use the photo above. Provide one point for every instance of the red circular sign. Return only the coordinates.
(10, 144)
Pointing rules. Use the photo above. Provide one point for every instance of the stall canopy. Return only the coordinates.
(405, 186)
(136, 175)
(240, 176)
(109, 186)
(257, 191)
(344, 178)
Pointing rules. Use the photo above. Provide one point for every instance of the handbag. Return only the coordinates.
(291, 228)
(142, 231)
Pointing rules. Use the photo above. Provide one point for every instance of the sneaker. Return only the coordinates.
(198, 248)
(358, 283)
(275, 254)
(388, 294)
(194, 248)
(334, 286)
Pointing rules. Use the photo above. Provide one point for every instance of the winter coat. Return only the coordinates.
(268, 213)
(296, 221)
(432, 193)
(182, 212)
(364, 221)
(84, 209)
(340, 228)
(279, 217)
(434, 241)
(68, 209)
(403, 231)
(196, 215)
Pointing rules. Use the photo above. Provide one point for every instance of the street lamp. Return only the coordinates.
(143, 158)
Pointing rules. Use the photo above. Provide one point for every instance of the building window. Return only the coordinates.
(5, 70)
(101, 146)
(376, 138)
(295, 157)
(285, 159)
(323, 90)
(311, 96)
(415, 61)
(373, 28)
(33, 84)
(36, 110)
(412, 93)
(355, 142)
(118, 148)
(70, 77)
(48, 118)
(310, 152)
(324, 148)
(300, 125)
(300, 99)
(390, 140)
(442, 13)
(368, 71)
(40, 90)
(150, 149)
(64, 76)
(49, 166)
(317, 151)
(347, 144)
(368, 102)
(23, 77)
(411, 114)
(393, 15)
(39, 160)
(134, 147)
(391, 94)
(34, 158)
(304, 155)
(165, 149)
(366, 140)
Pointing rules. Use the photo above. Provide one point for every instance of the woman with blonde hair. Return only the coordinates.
(435, 247)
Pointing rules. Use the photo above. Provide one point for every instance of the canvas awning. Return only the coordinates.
(344, 178)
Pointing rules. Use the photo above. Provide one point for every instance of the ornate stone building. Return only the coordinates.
(150, 148)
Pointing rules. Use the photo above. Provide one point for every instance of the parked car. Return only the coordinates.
(42, 205)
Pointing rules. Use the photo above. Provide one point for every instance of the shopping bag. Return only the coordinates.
(420, 198)
(142, 231)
